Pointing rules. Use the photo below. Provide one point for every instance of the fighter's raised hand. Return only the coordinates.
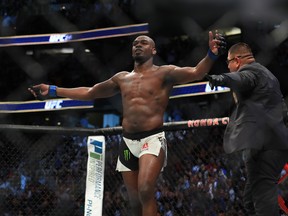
(217, 43)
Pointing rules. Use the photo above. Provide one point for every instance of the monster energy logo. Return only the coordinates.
(126, 154)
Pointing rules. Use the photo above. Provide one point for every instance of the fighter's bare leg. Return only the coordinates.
(149, 169)
(130, 179)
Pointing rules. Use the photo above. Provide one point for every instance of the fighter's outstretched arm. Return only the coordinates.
(103, 89)
(217, 44)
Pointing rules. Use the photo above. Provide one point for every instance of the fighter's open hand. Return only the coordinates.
(40, 91)
(217, 43)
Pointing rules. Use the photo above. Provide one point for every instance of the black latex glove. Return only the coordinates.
(216, 80)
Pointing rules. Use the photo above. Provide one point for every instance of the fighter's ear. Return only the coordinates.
(154, 51)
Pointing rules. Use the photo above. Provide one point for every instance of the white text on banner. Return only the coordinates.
(95, 176)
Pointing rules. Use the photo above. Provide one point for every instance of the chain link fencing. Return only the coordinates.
(44, 173)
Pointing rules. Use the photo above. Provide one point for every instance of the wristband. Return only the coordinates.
(212, 55)
(52, 91)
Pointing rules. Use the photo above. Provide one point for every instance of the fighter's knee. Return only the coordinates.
(146, 192)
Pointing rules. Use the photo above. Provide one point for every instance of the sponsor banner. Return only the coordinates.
(47, 105)
(95, 176)
(178, 91)
(74, 36)
(208, 122)
(193, 89)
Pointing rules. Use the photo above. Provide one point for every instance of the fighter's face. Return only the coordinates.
(143, 48)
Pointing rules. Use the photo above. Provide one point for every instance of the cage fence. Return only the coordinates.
(44, 173)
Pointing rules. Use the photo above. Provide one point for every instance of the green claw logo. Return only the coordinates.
(126, 154)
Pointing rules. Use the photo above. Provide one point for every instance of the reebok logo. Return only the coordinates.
(145, 147)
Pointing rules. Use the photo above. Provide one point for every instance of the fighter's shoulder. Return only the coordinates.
(167, 68)
(121, 74)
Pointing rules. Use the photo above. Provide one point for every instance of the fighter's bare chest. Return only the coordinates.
(141, 84)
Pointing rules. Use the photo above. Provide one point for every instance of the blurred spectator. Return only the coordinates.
(205, 183)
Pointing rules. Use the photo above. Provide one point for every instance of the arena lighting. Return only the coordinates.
(58, 51)
(280, 33)
(55, 51)
(29, 52)
(52, 51)
(232, 31)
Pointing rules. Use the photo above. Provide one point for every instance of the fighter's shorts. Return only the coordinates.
(134, 145)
